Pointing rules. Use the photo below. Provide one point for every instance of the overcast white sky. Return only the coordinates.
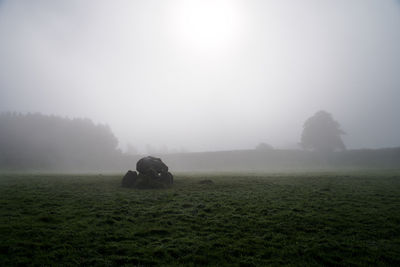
(206, 75)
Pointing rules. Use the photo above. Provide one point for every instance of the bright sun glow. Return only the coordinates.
(207, 25)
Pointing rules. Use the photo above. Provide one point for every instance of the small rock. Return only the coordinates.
(129, 179)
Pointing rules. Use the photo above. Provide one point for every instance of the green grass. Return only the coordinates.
(240, 220)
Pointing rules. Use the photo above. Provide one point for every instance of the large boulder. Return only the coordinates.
(151, 166)
(153, 173)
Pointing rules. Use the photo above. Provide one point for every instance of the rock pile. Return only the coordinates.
(153, 173)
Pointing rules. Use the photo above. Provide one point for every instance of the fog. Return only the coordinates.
(206, 75)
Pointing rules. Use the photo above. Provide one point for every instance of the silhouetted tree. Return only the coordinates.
(322, 133)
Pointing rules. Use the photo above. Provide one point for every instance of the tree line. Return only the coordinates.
(52, 142)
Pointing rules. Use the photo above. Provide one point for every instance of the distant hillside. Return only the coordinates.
(283, 160)
(36, 142)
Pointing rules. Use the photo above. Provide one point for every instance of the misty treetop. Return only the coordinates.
(36, 140)
(322, 133)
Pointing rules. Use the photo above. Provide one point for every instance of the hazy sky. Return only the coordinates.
(206, 74)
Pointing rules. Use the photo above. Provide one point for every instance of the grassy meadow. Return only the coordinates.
(238, 219)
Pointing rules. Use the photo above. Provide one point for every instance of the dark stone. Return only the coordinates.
(148, 182)
(166, 178)
(153, 173)
(129, 179)
(151, 166)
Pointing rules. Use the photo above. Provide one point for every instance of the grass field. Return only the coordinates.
(243, 220)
